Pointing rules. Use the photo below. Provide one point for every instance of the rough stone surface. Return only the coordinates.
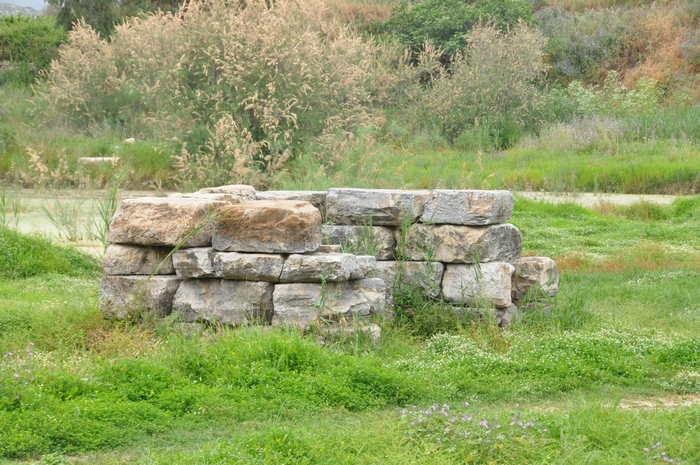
(315, 198)
(462, 244)
(537, 273)
(228, 198)
(368, 267)
(122, 259)
(471, 285)
(162, 221)
(361, 240)
(194, 263)
(468, 207)
(223, 301)
(299, 304)
(381, 207)
(316, 268)
(268, 226)
(406, 276)
(123, 295)
(327, 248)
(506, 316)
(245, 193)
(248, 266)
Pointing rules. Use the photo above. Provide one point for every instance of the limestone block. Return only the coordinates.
(268, 226)
(248, 266)
(228, 198)
(381, 207)
(534, 272)
(194, 263)
(223, 301)
(407, 276)
(122, 259)
(315, 198)
(123, 295)
(461, 244)
(243, 192)
(327, 248)
(299, 304)
(472, 285)
(468, 207)
(162, 221)
(361, 240)
(316, 268)
(368, 267)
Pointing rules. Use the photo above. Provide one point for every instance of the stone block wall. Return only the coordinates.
(292, 257)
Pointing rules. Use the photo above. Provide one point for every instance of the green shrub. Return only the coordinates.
(445, 23)
(492, 85)
(27, 46)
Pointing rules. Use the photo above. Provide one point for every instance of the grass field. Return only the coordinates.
(612, 376)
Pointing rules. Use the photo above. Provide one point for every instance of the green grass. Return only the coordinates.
(624, 327)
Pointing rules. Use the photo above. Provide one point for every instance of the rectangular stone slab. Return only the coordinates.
(228, 198)
(248, 266)
(461, 244)
(163, 221)
(475, 285)
(194, 263)
(468, 207)
(300, 304)
(315, 198)
(361, 240)
(243, 192)
(316, 268)
(534, 273)
(120, 296)
(222, 301)
(376, 207)
(411, 277)
(268, 226)
(121, 259)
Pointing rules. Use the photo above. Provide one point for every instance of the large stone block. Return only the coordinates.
(461, 244)
(268, 226)
(361, 240)
(468, 207)
(228, 198)
(534, 273)
(411, 276)
(122, 259)
(475, 285)
(248, 266)
(163, 221)
(316, 268)
(241, 191)
(222, 301)
(315, 198)
(380, 207)
(194, 263)
(120, 296)
(300, 304)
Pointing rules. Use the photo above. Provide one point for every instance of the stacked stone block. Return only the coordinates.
(234, 256)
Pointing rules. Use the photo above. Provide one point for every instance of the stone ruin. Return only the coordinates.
(294, 258)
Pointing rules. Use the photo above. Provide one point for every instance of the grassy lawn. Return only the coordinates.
(612, 376)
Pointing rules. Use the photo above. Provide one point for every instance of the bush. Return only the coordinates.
(27, 45)
(445, 23)
(492, 85)
(240, 84)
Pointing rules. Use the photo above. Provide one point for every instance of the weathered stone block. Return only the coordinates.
(361, 240)
(315, 198)
(316, 268)
(468, 207)
(243, 192)
(407, 276)
(228, 198)
(123, 259)
(301, 303)
(268, 226)
(461, 244)
(248, 266)
(536, 273)
(194, 263)
(327, 248)
(381, 207)
(368, 267)
(162, 221)
(123, 295)
(472, 285)
(222, 301)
